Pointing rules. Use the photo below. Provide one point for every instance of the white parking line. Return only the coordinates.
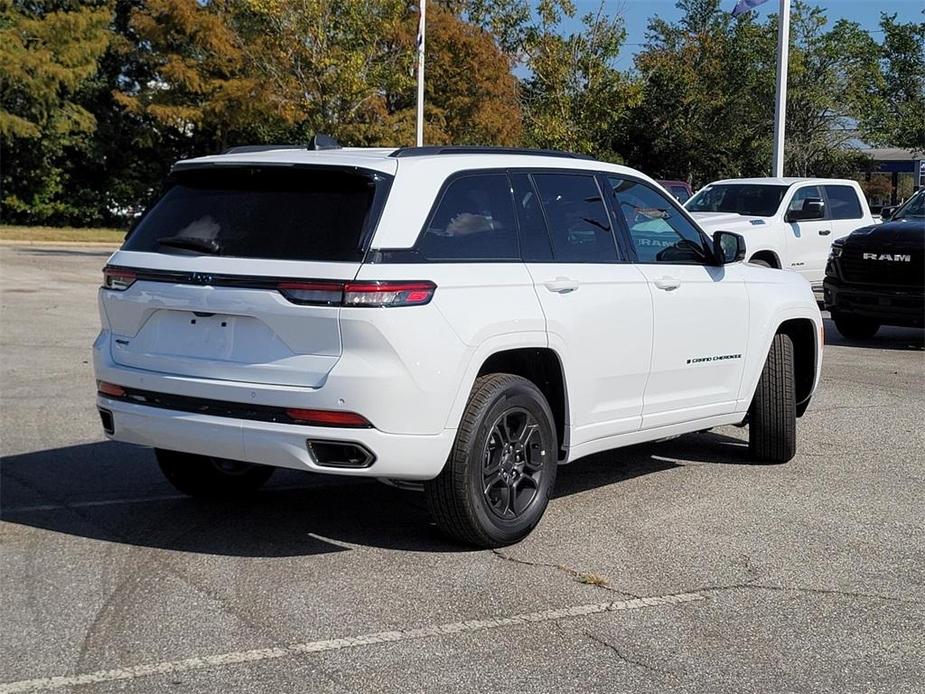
(222, 659)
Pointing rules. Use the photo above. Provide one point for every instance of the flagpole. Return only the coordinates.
(419, 127)
(780, 107)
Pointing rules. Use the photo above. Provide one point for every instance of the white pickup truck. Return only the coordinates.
(787, 222)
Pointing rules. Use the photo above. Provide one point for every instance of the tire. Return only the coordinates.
(759, 261)
(211, 478)
(855, 327)
(772, 431)
(472, 499)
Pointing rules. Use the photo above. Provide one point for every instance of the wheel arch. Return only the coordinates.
(768, 256)
(541, 366)
(803, 333)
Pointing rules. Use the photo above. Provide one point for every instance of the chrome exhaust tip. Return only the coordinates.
(339, 454)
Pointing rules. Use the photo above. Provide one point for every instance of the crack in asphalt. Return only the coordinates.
(808, 591)
(584, 577)
(623, 657)
(747, 585)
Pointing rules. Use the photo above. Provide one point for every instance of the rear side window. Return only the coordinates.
(843, 202)
(474, 220)
(577, 219)
(286, 214)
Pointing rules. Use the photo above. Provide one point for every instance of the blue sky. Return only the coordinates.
(637, 13)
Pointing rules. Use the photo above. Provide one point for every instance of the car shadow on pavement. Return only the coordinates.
(888, 337)
(114, 492)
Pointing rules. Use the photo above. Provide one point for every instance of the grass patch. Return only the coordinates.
(29, 234)
(590, 579)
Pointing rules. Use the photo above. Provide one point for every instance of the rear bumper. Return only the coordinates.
(888, 306)
(397, 456)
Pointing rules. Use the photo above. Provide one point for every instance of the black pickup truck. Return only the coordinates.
(875, 275)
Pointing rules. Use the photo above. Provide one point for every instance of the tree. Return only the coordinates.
(825, 78)
(707, 96)
(329, 66)
(892, 112)
(46, 54)
(471, 96)
(574, 96)
(197, 84)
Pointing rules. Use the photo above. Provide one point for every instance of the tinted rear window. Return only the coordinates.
(278, 213)
(474, 221)
(750, 199)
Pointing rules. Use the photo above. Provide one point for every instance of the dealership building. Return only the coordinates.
(893, 175)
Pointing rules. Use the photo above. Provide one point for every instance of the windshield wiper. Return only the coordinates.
(191, 243)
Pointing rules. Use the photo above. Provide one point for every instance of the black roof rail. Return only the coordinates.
(430, 150)
(319, 142)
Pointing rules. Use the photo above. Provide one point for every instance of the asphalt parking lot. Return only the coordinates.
(674, 566)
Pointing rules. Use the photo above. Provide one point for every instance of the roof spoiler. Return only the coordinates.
(318, 142)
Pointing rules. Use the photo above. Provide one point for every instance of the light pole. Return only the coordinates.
(780, 106)
(419, 126)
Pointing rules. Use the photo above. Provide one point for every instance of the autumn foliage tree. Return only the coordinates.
(98, 97)
(471, 96)
(198, 81)
(47, 52)
(279, 69)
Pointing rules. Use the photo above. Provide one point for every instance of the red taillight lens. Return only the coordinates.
(317, 293)
(328, 418)
(363, 293)
(117, 278)
(110, 389)
(388, 293)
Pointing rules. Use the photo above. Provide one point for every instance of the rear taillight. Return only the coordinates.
(317, 293)
(328, 418)
(117, 278)
(388, 293)
(362, 293)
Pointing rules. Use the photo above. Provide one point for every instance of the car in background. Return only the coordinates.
(787, 223)
(681, 190)
(875, 276)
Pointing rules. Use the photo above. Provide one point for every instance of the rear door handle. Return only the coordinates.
(669, 284)
(825, 232)
(561, 285)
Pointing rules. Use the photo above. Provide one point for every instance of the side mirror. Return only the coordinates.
(886, 214)
(813, 208)
(728, 247)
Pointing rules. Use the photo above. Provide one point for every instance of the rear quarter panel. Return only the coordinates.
(478, 309)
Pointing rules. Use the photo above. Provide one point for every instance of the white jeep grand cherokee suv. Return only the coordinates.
(787, 223)
(466, 318)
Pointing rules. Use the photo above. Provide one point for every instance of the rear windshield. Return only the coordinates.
(738, 198)
(680, 193)
(278, 213)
